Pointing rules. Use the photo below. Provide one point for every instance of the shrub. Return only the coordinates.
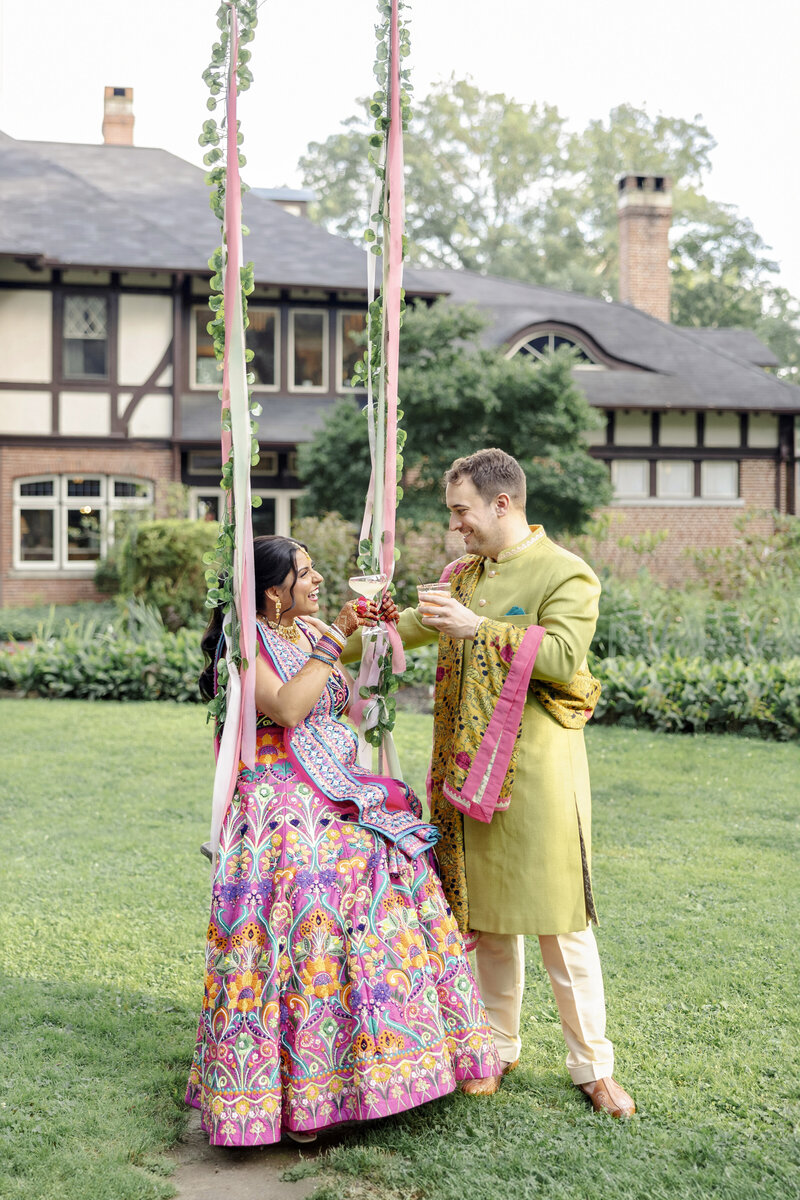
(422, 557)
(333, 545)
(135, 658)
(692, 696)
(49, 620)
(161, 563)
(421, 665)
(756, 560)
(640, 618)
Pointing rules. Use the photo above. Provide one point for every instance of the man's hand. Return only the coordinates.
(445, 614)
(388, 609)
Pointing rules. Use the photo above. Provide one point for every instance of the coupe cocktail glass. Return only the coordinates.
(368, 585)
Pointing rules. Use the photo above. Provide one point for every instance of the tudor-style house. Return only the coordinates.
(108, 383)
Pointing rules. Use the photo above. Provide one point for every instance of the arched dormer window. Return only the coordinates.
(541, 343)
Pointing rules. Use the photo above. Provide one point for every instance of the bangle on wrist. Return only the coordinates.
(329, 645)
(337, 633)
(323, 659)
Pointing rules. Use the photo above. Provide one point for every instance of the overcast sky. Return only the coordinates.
(736, 64)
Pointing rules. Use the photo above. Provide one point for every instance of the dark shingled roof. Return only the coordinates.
(674, 367)
(741, 343)
(286, 420)
(128, 207)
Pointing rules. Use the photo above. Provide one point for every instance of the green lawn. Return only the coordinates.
(105, 903)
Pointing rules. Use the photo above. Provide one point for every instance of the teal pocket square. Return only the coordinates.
(516, 611)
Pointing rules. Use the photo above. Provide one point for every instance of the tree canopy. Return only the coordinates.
(458, 396)
(502, 187)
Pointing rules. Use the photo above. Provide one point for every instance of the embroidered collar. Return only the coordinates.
(535, 535)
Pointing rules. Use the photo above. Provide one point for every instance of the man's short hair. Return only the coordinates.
(492, 471)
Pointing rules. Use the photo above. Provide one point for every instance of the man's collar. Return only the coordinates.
(535, 534)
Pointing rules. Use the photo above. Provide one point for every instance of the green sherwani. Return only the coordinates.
(528, 870)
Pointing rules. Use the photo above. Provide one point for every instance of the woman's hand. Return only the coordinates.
(356, 613)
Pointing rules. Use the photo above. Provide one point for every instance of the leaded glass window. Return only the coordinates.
(85, 337)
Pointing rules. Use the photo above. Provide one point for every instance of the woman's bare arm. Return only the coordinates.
(287, 703)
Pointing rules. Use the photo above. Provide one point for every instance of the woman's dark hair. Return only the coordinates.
(273, 559)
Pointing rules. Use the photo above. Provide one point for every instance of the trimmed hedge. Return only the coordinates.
(759, 699)
(111, 666)
(680, 695)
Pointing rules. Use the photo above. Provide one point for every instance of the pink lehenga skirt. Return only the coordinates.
(336, 987)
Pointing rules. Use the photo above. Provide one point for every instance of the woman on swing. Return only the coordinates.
(336, 987)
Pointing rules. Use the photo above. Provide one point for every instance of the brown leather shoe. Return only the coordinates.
(607, 1096)
(489, 1085)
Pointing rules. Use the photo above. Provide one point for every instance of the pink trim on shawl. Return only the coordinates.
(497, 746)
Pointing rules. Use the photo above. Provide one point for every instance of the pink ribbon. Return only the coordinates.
(239, 732)
(368, 675)
(393, 293)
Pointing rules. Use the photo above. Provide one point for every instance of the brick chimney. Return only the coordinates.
(644, 210)
(118, 116)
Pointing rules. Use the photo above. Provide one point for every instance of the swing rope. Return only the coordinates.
(230, 567)
(373, 710)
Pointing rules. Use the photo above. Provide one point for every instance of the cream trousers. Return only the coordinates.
(573, 964)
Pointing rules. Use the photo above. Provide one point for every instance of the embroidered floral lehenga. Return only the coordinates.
(336, 984)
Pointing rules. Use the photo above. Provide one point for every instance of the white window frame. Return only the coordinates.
(193, 384)
(714, 462)
(282, 496)
(630, 497)
(345, 388)
(83, 377)
(215, 387)
(106, 503)
(661, 466)
(276, 312)
(267, 465)
(97, 502)
(551, 335)
(118, 504)
(299, 388)
(48, 502)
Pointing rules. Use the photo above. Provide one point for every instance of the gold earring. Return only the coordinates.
(274, 624)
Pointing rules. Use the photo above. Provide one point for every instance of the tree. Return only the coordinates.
(497, 186)
(458, 396)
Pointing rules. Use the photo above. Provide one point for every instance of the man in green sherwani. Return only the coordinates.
(528, 870)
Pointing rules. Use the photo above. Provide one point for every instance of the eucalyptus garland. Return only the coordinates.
(220, 561)
(371, 371)
(373, 363)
